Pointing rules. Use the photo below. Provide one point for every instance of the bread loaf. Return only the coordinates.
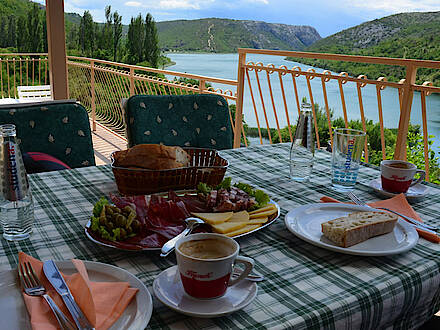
(152, 157)
(358, 227)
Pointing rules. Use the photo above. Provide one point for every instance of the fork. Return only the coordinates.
(418, 224)
(33, 287)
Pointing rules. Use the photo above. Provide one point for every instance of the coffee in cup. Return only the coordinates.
(398, 175)
(205, 262)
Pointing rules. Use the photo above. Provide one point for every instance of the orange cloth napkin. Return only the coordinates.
(101, 302)
(399, 204)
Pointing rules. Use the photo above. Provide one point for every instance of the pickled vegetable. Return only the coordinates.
(113, 223)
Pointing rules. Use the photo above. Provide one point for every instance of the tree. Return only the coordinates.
(34, 29)
(117, 33)
(151, 42)
(44, 32)
(135, 40)
(72, 37)
(87, 34)
(12, 32)
(22, 36)
(107, 33)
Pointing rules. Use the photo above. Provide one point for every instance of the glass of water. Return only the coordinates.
(348, 145)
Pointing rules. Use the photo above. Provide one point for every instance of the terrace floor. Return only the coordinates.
(104, 143)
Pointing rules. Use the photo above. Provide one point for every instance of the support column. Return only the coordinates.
(56, 42)
(405, 112)
(239, 102)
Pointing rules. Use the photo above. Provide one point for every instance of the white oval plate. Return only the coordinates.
(14, 315)
(167, 287)
(102, 243)
(414, 192)
(305, 222)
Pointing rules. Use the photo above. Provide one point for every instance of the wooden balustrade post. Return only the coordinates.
(92, 87)
(239, 102)
(405, 112)
(201, 86)
(131, 81)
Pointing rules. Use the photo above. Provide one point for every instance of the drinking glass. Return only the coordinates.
(348, 145)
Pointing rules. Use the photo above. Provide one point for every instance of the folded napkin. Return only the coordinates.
(101, 302)
(399, 204)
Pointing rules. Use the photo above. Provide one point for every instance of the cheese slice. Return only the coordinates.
(214, 218)
(243, 230)
(262, 214)
(257, 221)
(242, 216)
(263, 209)
(226, 227)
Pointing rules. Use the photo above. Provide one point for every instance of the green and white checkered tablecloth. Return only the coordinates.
(306, 287)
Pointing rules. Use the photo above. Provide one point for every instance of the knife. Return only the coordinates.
(56, 279)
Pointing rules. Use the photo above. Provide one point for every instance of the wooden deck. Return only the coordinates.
(104, 143)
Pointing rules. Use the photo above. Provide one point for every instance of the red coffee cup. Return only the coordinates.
(205, 262)
(397, 175)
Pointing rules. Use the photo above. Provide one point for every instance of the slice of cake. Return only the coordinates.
(358, 227)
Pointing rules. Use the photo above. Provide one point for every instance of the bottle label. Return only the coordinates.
(14, 187)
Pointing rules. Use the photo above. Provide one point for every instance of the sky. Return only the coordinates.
(327, 16)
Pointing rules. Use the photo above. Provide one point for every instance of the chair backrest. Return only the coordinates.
(38, 93)
(58, 128)
(200, 120)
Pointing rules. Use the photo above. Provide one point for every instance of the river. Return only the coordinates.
(225, 66)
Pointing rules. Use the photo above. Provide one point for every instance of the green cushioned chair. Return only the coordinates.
(200, 121)
(58, 128)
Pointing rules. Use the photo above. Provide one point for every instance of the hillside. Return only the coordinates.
(20, 8)
(226, 35)
(406, 35)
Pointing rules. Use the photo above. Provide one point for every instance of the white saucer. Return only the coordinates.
(415, 192)
(168, 288)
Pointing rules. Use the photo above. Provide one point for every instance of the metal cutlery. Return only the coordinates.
(418, 224)
(33, 287)
(56, 279)
(250, 277)
(191, 223)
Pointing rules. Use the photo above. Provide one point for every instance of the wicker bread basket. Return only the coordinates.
(206, 166)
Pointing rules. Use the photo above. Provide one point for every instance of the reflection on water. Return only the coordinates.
(225, 66)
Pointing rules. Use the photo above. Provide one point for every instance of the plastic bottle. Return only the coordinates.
(302, 150)
(16, 205)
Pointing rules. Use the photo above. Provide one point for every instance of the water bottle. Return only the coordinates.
(16, 206)
(302, 150)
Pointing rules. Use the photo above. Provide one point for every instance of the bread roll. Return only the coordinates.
(152, 157)
(358, 227)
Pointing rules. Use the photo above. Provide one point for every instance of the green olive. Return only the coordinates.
(136, 225)
(110, 225)
(121, 220)
(123, 233)
(108, 210)
(102, 219)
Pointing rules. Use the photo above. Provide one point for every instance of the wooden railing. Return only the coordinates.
(287, 81)
(101, 85)
(22, 69)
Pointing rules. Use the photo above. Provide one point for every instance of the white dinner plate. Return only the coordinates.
(414, 192)
(136, 316)
(167, 287)
(305, 222)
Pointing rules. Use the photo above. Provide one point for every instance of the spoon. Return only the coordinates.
(250, 277)
(191, 223)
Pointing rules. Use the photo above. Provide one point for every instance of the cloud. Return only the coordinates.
(266, 2)
(133, 4)
(173, 4)
(396, 6)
